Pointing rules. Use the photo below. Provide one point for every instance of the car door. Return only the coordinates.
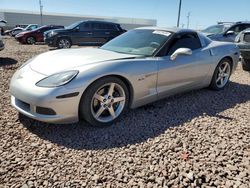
(186, 71)
(82, 34)
(40, 32)
(99, 33)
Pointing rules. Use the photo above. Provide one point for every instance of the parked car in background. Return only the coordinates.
(221, 32)
(36, 35)
(243, 41)
(138, 67)
(216, 29)
(1, 43)
(83, 33)
(17, 30)
(2, 24)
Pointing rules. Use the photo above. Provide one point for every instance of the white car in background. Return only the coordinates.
(2, 23)
(18, 30)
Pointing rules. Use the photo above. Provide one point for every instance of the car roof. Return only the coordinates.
(97, 21)
(171, 29)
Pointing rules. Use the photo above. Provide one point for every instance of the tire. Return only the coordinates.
(98, 103)
(30, 40)
(221, 75)
(245, 64)
(63, 43)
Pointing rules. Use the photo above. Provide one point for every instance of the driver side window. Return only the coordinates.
(85, 26)
(237, 29)
(189, 40)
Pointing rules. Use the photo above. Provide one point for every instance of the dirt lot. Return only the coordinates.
(197, 139)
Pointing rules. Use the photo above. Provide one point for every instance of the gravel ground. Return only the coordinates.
(197, 139)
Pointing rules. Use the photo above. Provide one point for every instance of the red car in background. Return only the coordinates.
(31, 37)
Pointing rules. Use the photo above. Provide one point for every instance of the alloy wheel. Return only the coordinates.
(31, 40)
(108, 102)
(64, 43)
(223, 75)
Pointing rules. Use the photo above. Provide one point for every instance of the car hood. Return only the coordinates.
(23, 33)
(73, 59)
(17, 28)
(210, 34)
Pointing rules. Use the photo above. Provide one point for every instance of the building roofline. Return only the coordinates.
(123, 19)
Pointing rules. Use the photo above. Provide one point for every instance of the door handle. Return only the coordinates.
(107, 33)
(90, 33)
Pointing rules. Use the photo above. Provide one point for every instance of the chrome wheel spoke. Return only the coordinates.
(119, 99)
(220, 70)
(111, 89)
(225, 67)
(221, 81)
(99, 97)
(112, 112)
(218, 79)
(99, 112)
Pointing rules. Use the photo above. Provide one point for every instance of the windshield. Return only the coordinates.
(72, 26)
(30, 27)
(138, 42)
(215, 29)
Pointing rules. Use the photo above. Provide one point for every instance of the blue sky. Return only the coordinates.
(203, 12)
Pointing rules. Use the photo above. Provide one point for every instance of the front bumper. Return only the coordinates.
(50, 41)
(29, 99)
(21, 39)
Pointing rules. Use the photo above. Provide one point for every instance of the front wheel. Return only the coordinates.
(63, 43)
(31, 40)
(221, 75)
(104, 101)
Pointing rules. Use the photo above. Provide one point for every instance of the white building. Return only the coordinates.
(16, 17)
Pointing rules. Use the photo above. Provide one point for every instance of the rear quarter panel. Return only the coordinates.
(220, 50)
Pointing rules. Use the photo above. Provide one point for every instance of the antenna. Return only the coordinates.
(41, 11)
(188, 19)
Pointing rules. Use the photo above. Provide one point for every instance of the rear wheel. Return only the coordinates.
(221, 75)
(245, 64)
(63, 43)
(31, 40)
(104, 101)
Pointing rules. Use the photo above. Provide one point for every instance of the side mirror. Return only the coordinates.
(180, 51)
(230, 33)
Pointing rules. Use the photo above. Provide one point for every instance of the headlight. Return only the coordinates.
(51, 34)
(19, 35)
(58, 79)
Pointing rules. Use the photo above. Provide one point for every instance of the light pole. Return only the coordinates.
(179, 14)
(41, 11)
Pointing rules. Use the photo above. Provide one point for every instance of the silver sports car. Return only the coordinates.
(136, 68)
